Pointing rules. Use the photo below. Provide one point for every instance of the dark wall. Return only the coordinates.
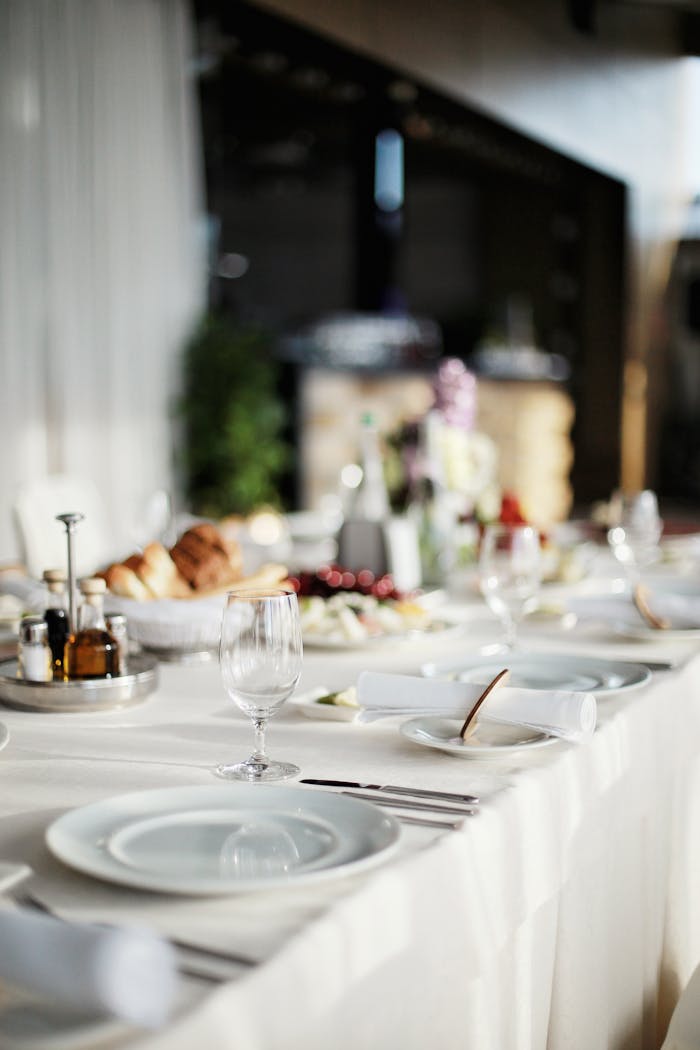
(488, 214)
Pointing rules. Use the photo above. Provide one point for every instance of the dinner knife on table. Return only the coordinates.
(393, 789)
(412, 804)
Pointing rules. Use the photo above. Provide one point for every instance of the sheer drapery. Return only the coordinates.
(101, 273)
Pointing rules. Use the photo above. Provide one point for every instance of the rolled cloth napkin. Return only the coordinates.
(125, 973)
(560, 713)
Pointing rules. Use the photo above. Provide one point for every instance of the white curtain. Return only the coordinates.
(101, 268)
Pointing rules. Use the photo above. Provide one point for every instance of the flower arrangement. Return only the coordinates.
(443, 471)
(442, 455)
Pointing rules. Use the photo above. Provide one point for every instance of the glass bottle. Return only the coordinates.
(117, 627)
(56, 616)
(362, 539)
(33, 653)
(91, 652)
(372, 500)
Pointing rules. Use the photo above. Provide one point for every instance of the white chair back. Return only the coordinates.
(43, 539)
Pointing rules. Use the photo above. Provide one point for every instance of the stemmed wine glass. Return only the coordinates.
(509, 573)
(635, 531)
(260, 656)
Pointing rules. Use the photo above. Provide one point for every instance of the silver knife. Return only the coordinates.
(412, 803)
(393, 789)
(426, 822)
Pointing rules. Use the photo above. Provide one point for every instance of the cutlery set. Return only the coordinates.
(421, 800)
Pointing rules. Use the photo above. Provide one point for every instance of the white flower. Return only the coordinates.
(468, 460)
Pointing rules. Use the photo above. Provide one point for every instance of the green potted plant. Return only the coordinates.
(233, 419)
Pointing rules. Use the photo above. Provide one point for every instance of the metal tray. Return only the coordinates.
(97, 694)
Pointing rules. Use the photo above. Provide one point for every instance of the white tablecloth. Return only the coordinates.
(565, 916)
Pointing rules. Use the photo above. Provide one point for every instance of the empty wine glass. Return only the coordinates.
(509, 573)
(635, 531)
(260, 657)
(258, 850)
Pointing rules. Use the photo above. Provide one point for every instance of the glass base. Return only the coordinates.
(254, 771)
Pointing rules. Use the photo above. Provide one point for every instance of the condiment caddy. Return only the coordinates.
(70, 660)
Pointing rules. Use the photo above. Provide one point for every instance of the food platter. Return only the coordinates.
(441, 628)
(353, 621)
(96, 694)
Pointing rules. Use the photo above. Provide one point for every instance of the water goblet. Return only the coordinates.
(509, 573)
(635, 531)
(260, 656)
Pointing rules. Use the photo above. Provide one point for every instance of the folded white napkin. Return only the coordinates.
(682, 610)
(566, 714)
(126, 973)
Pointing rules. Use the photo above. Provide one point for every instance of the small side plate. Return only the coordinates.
(489, 740)
(308, 704)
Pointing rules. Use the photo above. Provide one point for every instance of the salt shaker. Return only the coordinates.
(116, 625)
(34, 652)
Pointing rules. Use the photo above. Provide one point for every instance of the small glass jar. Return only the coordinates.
(35, 662)
(117, 627)
(56, 616)
(91, 652)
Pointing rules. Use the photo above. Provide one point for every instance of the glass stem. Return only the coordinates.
(260, 725)
(511, 631)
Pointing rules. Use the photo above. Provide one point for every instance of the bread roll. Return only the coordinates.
(124, 582)
(226, 544)
(204, 564)
(160, 573)
(270, 576)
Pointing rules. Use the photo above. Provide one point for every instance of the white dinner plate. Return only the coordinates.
(4, 735)
(531, 670)
(489, 739)
(236, 838)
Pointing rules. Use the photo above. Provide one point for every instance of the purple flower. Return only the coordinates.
(455, 394)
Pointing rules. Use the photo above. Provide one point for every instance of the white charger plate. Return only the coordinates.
(533, 670)
(178, 840)
(4, 735)
(489, 740)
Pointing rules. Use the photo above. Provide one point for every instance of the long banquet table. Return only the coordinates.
(564, 915)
